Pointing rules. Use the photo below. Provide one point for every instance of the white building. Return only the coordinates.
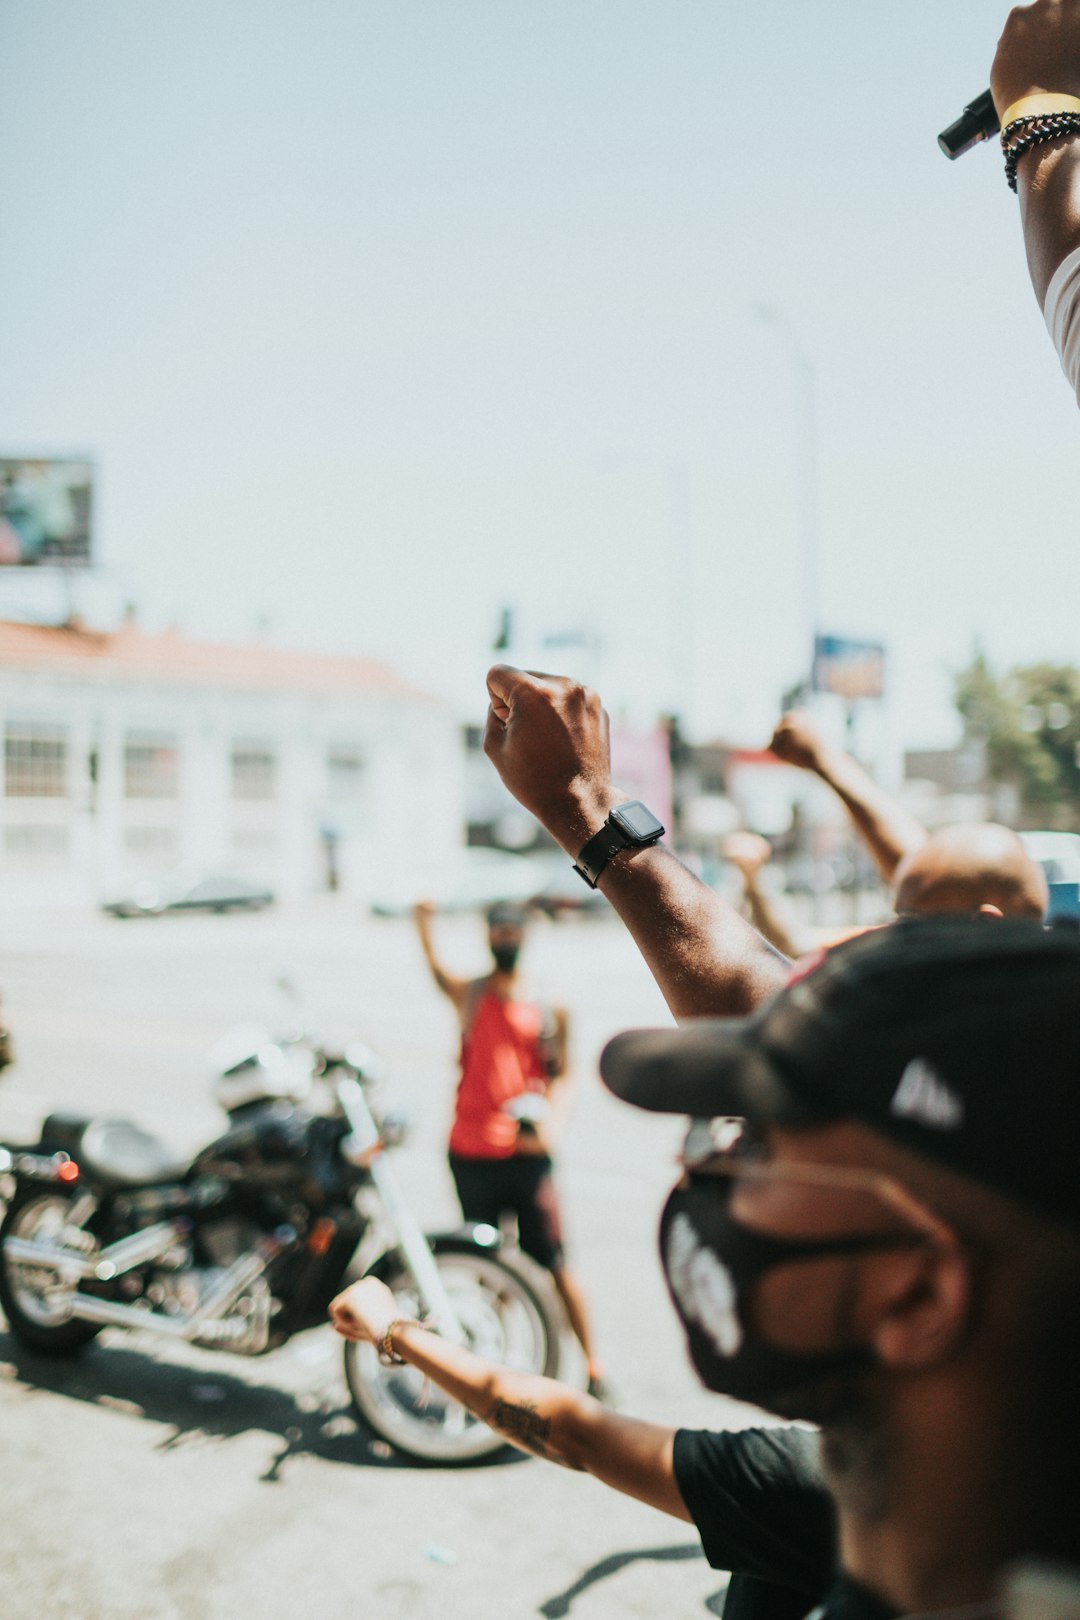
(128, 755)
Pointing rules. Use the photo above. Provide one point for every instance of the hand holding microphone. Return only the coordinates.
(978, 122)
(1038, 56)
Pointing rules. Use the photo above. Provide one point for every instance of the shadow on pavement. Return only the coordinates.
(559, 1605)
(201, 1405)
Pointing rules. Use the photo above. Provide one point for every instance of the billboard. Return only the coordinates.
(45, 509)
(849, 669)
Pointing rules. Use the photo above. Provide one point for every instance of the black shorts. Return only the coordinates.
(523, 1186)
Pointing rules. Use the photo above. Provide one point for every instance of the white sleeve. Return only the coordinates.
(1061, 309)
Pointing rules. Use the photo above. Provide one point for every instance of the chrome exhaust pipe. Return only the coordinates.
(108, 1313)
(137, 1250)
(224, 1294)
(69, 1266)
(227, 1290)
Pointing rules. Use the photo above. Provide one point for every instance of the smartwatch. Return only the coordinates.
(628, 826)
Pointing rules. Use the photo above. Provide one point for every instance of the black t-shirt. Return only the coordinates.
(763, 1511)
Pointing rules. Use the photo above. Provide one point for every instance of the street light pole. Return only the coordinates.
(806, 469)
(681, 532)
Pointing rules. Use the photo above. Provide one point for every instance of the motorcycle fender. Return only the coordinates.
(472, 1235)
(477, 1235)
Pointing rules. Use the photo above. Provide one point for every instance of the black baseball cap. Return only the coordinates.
(958, 1038)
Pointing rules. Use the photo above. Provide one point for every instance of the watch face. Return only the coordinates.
(636, 821)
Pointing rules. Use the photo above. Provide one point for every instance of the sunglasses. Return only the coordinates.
(729, 1148)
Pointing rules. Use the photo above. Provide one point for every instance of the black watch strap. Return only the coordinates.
(617, 833)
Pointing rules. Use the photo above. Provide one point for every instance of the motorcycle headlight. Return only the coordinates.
(363, 1062)
(394, 1128)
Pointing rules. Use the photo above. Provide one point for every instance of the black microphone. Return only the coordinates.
(976, 123)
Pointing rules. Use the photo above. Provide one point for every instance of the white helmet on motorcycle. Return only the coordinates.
(250, 1067)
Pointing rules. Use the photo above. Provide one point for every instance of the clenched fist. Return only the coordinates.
(748, 851)
(797, 741)
(364, 1311)
(1038, 52)
(547, 736)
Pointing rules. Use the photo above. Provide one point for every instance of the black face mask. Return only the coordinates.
(506, 957)
(712, 1264)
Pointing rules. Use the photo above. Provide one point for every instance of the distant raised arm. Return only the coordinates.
(448, 983)
(748, 852)
(888, 830)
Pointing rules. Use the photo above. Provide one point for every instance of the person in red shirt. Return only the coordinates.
(513, 1058)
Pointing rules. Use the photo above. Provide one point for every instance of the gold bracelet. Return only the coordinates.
(1041, 106)
(385, 1347)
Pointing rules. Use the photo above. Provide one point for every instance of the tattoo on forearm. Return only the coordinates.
(522, 1423)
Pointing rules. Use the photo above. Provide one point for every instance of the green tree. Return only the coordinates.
(1028, 724)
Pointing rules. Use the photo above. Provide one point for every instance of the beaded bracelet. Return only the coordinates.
(387, 1354)
(1035, 129)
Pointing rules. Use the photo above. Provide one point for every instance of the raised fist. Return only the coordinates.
(748, 851)
(364, 1311)
(547, 736)
(1038, 52)
(797, 740)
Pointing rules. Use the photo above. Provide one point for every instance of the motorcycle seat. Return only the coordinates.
(123, 1155)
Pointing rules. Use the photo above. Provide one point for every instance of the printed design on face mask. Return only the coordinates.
(803, 966)
(924, 1096)
(703, 1286)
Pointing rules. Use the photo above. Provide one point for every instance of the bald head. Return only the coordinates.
(971, 868)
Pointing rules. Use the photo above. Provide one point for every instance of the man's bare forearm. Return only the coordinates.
(447, 983)
(534, 1413)
(551, 1420)
(706, 959)
(1048, 181)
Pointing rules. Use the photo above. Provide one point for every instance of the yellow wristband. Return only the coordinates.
(1042, 106)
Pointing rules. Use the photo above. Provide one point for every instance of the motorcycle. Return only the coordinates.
(245, 1245)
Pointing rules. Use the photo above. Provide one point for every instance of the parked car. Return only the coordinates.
(1058, 853)
(560, 892)
(479, 877)
(473, 881)
(216, 893)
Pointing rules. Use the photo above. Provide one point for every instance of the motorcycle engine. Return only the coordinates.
(181, 1284)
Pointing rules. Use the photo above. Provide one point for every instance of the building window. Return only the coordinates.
(254, 772)
(35, 762)
(345, 775)
(44, 846)
(151, 768)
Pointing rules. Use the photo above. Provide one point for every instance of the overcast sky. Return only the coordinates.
(378, 316)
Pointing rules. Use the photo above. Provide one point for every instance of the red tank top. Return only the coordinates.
(500, 1058)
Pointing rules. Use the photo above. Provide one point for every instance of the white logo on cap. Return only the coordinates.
(703, 1287)
(923, 1095)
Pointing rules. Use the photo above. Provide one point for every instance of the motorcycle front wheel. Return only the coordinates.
(504, 1318)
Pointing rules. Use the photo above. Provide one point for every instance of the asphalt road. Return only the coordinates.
(151, 1482)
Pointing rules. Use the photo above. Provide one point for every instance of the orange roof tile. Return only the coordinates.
(131, 654)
